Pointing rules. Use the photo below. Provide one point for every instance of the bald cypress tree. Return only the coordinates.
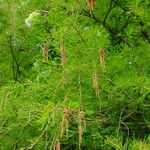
(74, 74)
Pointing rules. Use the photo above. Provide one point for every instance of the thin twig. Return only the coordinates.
(109, 10)
(107, 27)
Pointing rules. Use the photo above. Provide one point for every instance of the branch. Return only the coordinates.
(14, 59)
(117, 3)
(109, 10)
(143, 34)
(26, 56)
(12, 51)
(114, 84)
(108, 28)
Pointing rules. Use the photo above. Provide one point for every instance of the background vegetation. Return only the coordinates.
(74, 74)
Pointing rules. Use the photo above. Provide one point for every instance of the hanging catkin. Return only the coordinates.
(95, 82)
(45, 52)
(62, 48)
(80, 129)
(76, 3)
(66, 115)
(57, 144)
(102, 59)
(67, 11)
(62, 126)
(90, 5)
(4, 100)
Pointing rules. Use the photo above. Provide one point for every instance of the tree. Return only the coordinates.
(75, 74)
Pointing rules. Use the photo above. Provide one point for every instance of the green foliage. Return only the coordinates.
(58, 88)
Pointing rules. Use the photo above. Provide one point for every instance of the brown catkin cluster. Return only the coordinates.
(76, 3)
(57, 144)
(62, 126)
(64, 79)
(65, 123)
(63, 61)
(102, 59)
(95, 82)
(90, 4)
(62, 48)
(4, 100)
(45, 52)
(67, 11)
(66, 113)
